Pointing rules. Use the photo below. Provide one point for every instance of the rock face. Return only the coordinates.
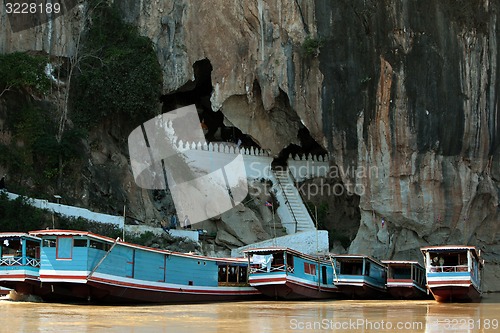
(404, 92)
(410, 100)
(263, 82)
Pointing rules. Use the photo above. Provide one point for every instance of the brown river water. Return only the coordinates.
(259, 316)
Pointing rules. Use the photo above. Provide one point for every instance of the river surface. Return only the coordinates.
(254, 317)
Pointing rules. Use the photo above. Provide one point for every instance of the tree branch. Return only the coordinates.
(6, 89)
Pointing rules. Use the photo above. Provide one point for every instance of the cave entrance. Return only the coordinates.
(307, 146)
(198, 92)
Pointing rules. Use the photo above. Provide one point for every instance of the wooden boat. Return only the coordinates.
(4, 291)
(406, 279)
(19, 261)
(283, 273)
(86, 266)
(360, 276)
(453, 272)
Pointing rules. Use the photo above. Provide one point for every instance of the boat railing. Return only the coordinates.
(18, 261)
(259, 269)
(11, 261)
(33, 262)
(447, 269)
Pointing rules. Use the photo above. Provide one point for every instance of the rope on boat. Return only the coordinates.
(102, 259)
(334, 270)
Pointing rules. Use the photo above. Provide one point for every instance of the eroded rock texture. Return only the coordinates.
(411, 89)
(262, 80)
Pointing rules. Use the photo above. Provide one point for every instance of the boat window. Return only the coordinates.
(462, 259)
(99, 245)
(242, 274)
(351, 268)
(401, 272)
(261, 262)
(446, 259)
(278, 259)
(289, 260)
(309, 268)
(222, 273)
(80, 243)
(49, 243)
(367, 268)
(32, 249)
(64, 247)
(419, 275)
(11, 248)
(232, 275)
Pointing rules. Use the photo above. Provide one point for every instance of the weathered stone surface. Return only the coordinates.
(411, 94)
(56, 37)
(244, 226)
(263, 81)
(226, 239)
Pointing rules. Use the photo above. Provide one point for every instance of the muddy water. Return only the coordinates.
(324, 316)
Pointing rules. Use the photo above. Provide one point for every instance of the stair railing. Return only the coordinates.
(287, 202)
(313, 216)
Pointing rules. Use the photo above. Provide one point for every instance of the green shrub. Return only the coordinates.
(119, 71)
(312, 45)
(19, 215)
(23, 71)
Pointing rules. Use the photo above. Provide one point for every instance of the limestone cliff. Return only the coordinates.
(411, 89)
(405, 89)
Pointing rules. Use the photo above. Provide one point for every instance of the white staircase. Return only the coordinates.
(292, 210)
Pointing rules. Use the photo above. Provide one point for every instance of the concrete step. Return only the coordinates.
(294, 204)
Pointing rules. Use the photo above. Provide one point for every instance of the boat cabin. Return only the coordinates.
(289, 274)
(360, 276)
(86, 265)
(19, 249)
(453, 272)
(448, 259)
(360, 265)
(405, 271)
(19, 261)
(406, 279)
(232, 274)
(270, 260)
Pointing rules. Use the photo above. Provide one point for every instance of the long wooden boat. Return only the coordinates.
(453, 272)
(284, 273)
(87, 266)
(360, 276)
(19, 261)
(4, 291)
(406, 279)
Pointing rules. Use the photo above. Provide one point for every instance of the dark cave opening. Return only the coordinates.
(198, 92)
(307, 146)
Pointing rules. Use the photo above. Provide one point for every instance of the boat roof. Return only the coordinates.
(452, 248)
(271, 249)
(400, 262)
(17, 234)
(62, 232)
(267, 249)
(91, 235)
(355, 256)
(447, 247)
(444, 248)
